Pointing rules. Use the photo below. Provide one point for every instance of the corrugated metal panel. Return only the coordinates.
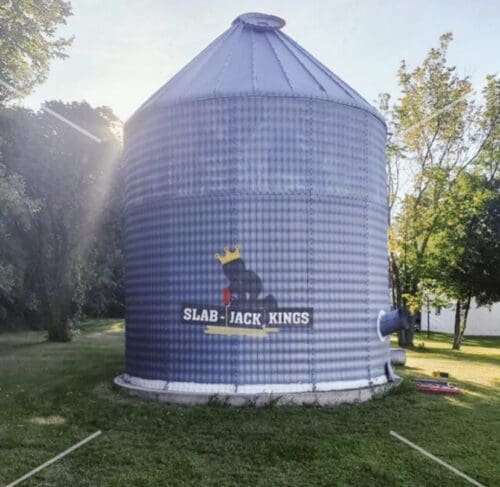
(297, 181)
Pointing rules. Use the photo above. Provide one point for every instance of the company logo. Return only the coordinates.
(243, 311)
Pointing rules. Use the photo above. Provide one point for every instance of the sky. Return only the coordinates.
(124, 50)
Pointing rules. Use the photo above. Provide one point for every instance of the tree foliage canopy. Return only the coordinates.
(439, 137)
(29, 41)
(60, 191)
(70, 241)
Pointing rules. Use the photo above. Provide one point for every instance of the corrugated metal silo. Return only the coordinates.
(258, 153)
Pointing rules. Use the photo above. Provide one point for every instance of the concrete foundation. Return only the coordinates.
(320, 398)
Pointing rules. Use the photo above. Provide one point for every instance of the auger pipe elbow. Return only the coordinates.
(391, 321)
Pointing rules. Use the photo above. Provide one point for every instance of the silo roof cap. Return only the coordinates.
(259, 21)
(255, 57)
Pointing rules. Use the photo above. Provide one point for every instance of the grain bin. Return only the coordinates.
(255, 229)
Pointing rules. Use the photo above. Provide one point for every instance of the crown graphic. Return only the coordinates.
(228, 255)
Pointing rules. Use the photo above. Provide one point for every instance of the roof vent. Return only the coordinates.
(258, 21)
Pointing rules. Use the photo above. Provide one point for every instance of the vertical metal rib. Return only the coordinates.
(252, 49)
(283, 70)
(304, 67)
(228, 58)
(343, 86)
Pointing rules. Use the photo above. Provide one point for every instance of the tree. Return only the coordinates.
(28, 42)
(15, 207)
(488, 160)
(69, 175)
(59, 198)
(101, 278)
(464, 253)
(435, 134)
(465, 261)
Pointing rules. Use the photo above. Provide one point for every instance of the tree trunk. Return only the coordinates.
(466, 315)
(58, 328)
(59, 331)
(456, 335)
(405, 337)
(395, 282)
(57, 316)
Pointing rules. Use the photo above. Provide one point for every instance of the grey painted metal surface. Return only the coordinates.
(257, 152)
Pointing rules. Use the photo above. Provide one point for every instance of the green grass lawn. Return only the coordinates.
(53, 395)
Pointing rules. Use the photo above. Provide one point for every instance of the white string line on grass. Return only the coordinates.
(55, 459)
(436, 459)
(55, 114)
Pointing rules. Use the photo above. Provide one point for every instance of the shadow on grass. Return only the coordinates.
(147, 443)
(462, 355)
(446, 338)
(473, 395)
(487, 342)
(10, 347)
(472, 389)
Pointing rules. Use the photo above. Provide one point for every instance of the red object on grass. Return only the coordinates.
(226, 296)
(435, 387)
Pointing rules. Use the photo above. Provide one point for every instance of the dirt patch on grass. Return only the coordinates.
(48, 420)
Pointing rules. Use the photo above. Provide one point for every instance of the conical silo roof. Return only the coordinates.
(254, 57)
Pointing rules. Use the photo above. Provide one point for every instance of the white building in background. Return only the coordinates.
(482, 321)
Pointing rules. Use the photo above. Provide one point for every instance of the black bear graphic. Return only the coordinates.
(245, 285)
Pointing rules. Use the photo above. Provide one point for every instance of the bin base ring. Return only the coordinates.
(318, 397)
